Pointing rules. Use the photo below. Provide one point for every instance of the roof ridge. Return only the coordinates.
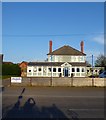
(65, 51)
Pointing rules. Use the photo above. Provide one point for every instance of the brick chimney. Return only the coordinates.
(50, 46)
(82, 46)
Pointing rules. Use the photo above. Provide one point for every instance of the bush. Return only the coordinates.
(11, 69)
(94, 76)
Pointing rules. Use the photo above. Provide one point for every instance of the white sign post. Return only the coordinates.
(16, 79)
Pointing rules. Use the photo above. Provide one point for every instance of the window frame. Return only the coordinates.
(58, 69)
(73, 69)
(54, 69)
(39, 69)
(78, 70)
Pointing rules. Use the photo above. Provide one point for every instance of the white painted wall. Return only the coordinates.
(48, 73)
(28, 70)
(66, 58)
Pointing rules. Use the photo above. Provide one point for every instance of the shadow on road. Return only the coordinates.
(31, 110)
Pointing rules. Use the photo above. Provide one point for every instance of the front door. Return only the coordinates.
(65, 72)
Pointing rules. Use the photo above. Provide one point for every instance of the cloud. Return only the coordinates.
(99, 39)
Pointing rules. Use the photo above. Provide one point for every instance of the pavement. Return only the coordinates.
(6, 82)
(53, 102)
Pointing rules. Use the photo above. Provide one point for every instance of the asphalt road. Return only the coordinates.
(53, 102)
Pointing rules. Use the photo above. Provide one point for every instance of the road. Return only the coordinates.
(53, 102)
(6, 82)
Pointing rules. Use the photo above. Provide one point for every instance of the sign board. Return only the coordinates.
(16, 79)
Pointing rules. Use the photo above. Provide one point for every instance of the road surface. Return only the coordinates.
(53, 102)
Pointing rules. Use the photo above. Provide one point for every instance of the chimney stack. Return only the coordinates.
(82, 46)
(50, 46)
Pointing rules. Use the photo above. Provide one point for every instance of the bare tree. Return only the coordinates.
(100, 61)
(88, 64)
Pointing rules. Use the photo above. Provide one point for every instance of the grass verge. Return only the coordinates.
(8, 76)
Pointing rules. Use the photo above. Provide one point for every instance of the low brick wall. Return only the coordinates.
(48, 81)
(40, 81)
(61, 81)
(26, 81)
(82, 82)
(100, 82)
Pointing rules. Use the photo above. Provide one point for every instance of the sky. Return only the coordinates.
(27, 28)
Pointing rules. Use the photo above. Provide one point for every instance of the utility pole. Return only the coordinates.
(92, 64)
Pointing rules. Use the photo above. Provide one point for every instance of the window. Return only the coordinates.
(73, 69)
(44, 69)
(39, 69)
(74, 58)
(87, 71)
(35, 70)
(54, 69)
(78, 70)
(59, 69)
(49, 69)
(79, 59)
(82, 69)
(29, 70)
